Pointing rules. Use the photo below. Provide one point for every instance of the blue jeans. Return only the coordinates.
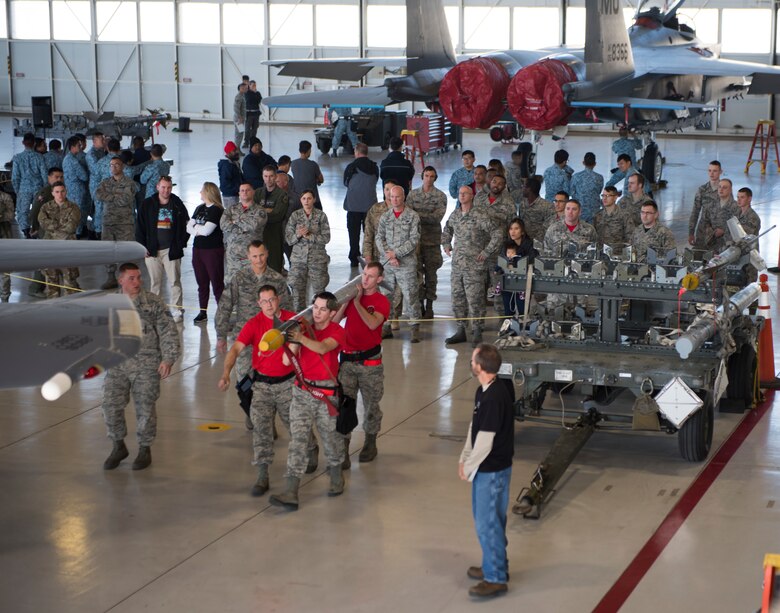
(489, 501)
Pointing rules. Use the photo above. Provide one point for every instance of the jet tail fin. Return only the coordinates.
(608, 55)
(428, 42)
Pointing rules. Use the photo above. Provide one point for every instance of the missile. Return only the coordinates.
(277, 336)
(745, 244)
(705, 327)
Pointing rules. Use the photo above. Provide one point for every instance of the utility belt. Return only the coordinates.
(309, 385)
(258, 378)
(369, 357)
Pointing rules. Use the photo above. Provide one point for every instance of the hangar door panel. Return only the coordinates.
(118, 86)
(30, 72)
(200, 82)
(158, 85)
(74, 77)
(5, 87)
(237, 61)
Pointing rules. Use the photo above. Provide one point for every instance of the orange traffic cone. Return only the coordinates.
(766, 351)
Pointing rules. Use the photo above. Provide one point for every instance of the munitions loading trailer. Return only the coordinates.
(675, 349)
(374, 128)
(90, 122)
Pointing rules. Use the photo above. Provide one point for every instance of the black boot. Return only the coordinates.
(261, 485)
(458, 337)
(143, 459)
(476, 337)
(428, 313)
(368, 453)
(288, 499)
(118, 453)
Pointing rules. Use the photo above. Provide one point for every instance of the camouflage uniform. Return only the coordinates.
(500, 212)
(53, 159)
(474, 234)
(401, 235)
(118, 197)
(93, 157)
(240, 296)
(557, 179)
(714, 216)
(28, 175)
(369, 231)
(750, 221)
(514, 181)
(268, 400)
(431, 207)
(659, 237)
(558, 236)
(305, 412)
(633, 208)
(6, 232)
(705, 195)
(309, 260)
(239, 118)
(43, 196)
(460, 178)
(150, 177)
(371, 255)
(60, 222)
(613, 228)
(240, 227)
(586, 187)
(77, 186)
(537, 217)
(138, 375)
(628, 146)
(370, 381)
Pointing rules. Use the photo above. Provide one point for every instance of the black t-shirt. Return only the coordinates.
(493, 412)
(202, 215)
(164, 227)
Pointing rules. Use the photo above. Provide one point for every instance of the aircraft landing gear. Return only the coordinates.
(652, 165)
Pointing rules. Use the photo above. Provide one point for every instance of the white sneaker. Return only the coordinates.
(178, 317)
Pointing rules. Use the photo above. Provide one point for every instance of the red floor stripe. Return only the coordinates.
(636, 570)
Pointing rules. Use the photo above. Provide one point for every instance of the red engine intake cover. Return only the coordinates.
(472, 93)
(535, 95)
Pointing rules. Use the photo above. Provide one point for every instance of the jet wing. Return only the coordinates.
(29, 255)
(65, 337)
(765, 79)
(372, 97)
(639, 103)
(341, 69)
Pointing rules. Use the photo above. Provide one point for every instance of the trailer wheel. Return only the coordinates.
(695, 437)
(496, 134)
(323, 144)
(741, 370)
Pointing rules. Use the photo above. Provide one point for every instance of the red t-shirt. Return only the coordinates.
(269, 364)
(359, 336)
(325, 367)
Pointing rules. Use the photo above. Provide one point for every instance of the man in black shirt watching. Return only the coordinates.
(486, 460)
(253, 100)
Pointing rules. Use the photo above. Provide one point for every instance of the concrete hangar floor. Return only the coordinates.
(185, 535)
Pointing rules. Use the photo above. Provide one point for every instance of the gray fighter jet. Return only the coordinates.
(55, 343)
(657, 75)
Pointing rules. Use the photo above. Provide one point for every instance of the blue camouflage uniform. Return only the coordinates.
(557, 179)
(619, 175)
(77, 184)
(586, 187)
(93, 157)
(28, 175)
(628, 146)
(151, 175)
(53, 159)
(460, 178)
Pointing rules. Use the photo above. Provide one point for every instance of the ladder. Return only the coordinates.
(763, 141)
(413, 146)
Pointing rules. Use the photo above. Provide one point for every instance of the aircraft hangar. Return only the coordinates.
(631, 526)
